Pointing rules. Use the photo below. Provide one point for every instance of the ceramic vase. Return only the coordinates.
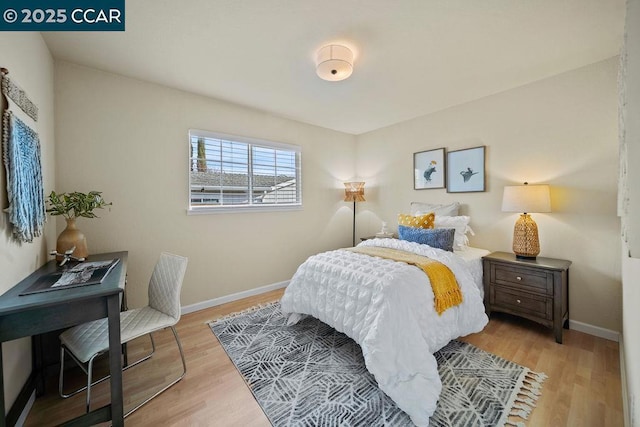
(71, 237)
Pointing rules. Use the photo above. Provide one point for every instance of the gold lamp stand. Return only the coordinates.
(525, 237)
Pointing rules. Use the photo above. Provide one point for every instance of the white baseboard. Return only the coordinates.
(233, 297)
(597, 331)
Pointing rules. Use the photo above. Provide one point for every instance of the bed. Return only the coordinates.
(388, 308)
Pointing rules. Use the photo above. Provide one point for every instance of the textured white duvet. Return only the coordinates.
(387, 307)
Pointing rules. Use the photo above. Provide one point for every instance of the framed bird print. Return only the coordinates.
(465, 170)
(428, 169)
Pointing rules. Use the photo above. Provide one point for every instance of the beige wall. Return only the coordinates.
(561, 131)
(29, 63)
(128, 139)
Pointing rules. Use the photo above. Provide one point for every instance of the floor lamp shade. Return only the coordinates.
(526, 199)
(354, 192)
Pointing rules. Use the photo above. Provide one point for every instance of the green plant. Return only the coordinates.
(76, 204)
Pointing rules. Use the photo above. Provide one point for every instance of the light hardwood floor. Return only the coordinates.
(583, 388)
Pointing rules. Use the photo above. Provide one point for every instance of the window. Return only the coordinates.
(227, 172)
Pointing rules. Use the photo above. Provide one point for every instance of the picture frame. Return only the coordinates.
(429, 169)
(466, 170)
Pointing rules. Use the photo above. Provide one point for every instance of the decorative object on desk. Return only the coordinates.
(354, 192)
(72, 237)
(21, 156)
(466, 170)
(429, 169)
(526, 199)
(66, 256)
(72, 206)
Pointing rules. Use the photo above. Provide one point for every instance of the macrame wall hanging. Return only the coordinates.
(21, 157)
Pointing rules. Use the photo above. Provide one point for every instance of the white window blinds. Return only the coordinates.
(232, 171)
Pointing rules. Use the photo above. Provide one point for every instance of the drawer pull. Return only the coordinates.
(518, 278)
(518, 301)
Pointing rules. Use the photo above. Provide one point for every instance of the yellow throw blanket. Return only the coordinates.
(444, 284)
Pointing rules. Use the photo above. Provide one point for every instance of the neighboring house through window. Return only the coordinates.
(229, 172)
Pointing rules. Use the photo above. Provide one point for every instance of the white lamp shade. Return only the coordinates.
(334, 62)
(526, 198)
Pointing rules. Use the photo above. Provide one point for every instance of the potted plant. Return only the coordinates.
(72, 206)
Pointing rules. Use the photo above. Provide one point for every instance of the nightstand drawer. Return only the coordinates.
(521, 303)
(527, 279)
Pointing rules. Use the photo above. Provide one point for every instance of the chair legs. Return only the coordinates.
(165, 388)
(89, 369)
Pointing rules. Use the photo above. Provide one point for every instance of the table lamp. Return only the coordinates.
(526, 199)
(354, 192)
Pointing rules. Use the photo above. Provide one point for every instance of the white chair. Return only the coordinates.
(87, 341)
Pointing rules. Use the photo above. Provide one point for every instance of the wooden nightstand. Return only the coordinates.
(535, 289)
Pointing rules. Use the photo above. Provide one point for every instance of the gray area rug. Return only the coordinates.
(309, 374)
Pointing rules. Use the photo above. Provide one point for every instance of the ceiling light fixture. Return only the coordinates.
(334, 62)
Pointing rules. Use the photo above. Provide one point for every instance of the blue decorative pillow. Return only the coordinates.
(441, 238)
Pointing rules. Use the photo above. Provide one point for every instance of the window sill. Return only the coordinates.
(241, 209)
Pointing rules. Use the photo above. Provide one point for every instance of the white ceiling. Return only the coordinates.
(412, 57)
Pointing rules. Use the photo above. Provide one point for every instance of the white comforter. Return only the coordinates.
(388, 308)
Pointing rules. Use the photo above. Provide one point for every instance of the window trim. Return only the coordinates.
(200, 210)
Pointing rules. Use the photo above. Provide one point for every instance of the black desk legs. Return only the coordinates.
(115, 361)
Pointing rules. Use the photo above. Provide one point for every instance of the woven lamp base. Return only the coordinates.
(525, 237)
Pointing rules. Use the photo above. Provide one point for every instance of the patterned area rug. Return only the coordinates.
(309, 374)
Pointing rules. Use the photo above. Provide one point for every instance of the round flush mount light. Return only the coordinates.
(334, 62)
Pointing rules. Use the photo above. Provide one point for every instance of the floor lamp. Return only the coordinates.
(354, 192)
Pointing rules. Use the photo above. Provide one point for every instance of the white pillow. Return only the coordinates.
(461, 225)
(446, 210)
